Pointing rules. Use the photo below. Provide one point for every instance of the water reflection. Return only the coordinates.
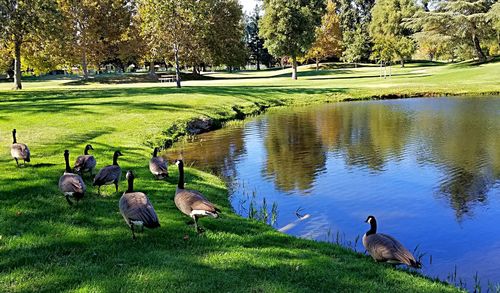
(294, 151)
(429, 164)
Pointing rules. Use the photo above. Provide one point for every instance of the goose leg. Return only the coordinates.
(196, 224)
(68, 200)
(99, 190)
(116, 187)
(17, 162)
(133, 231)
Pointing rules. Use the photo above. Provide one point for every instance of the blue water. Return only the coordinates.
(427, 168)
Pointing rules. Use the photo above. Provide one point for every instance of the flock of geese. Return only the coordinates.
(138, 211)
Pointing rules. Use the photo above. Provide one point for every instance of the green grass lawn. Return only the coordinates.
(45, 245)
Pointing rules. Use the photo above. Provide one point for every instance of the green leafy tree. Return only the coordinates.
(391, 37)
(25, 22)
(355, 16)
(328, 42)
(255, 44)
(357, 45)
(288, 27)
(92, 30)
(465, 22)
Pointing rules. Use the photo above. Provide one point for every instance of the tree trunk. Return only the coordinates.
(177, 70)
(477, 46)
(402, 63)
(294, 67)
(84, 65)
(17, 65)
(258, 63)
(317, 64)
(152, 68)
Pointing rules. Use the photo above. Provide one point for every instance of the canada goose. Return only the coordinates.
(191, 202)
(71, 185)
(109, 174)
(158, 166)
(19, 150)
(136, 208)
(85, 163)
(384, 248)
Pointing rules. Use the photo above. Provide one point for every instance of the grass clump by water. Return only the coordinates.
(45, 245)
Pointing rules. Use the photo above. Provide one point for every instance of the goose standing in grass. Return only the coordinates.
(70, 184)
(191, 202)
(109, 175)
(136, 208)
(158, 166)
(384, 248)
(85, 163)
(19, 151)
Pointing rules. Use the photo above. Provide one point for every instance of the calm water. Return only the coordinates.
(428, 169)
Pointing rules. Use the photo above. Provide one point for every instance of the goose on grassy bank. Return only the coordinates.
(19, 151)
(110, 174)
(385, 248)
(86, 162)
(158, 166)
(136, 209)
(191, 202)
(70, 184)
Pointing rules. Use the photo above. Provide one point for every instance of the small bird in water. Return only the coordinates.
(19, 151)
(384, 248)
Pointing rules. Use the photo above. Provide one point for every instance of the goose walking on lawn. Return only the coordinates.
(70, 184)
(109, 175)
(158, 166)
(191, 202)
(85, 163)
(19, 151)
(384, 248)
(136, 208)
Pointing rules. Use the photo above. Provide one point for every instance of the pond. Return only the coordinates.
(427, 168)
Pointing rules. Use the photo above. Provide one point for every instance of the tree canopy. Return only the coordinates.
(288, 27)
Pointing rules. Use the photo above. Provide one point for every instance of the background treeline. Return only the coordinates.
(91, 35)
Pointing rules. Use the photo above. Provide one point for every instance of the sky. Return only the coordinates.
(248, 5)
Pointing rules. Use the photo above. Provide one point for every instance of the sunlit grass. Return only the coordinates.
(45, 245)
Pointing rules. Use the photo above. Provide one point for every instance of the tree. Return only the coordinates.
(355, 15)
(288, 27)
(328, 41)
(494, 17)
(258, 53)
(93, 30)
(465, 22)
(25, 21)
(356, 46)
(391, 37)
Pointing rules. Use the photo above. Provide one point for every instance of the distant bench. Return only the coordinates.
(167, 78)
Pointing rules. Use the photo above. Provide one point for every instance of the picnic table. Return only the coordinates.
(167, 78)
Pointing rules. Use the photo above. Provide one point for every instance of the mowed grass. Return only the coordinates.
(45, 245)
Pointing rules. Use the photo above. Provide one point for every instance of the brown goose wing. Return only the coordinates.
(188, 200)
(383, 247)
(107, 175)
(71, 183)
(136, 206)
(85, 162)
(20, 151)
(158, 165)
